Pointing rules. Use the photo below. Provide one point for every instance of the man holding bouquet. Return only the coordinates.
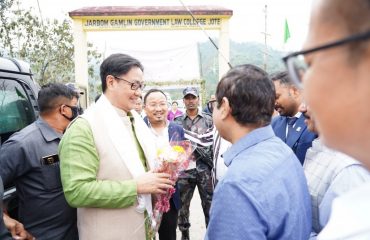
(155, 106)
(105, 155)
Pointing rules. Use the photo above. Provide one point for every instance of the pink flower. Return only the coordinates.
(172, 159)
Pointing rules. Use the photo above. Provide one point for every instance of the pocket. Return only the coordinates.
(51, 175)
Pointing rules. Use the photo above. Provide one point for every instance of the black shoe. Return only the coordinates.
(185, 235)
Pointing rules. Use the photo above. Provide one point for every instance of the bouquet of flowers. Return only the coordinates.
(171, 159)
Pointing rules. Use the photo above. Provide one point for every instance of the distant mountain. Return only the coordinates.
(240, 53)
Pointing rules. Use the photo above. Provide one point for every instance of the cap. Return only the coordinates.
(74, 88)
(190, 90)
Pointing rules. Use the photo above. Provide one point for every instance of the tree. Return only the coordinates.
(46, 44)
(94, 58)
(5, 27)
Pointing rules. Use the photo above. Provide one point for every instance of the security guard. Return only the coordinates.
(198, 127)
(29, 160)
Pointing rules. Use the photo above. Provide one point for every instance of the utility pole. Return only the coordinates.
(18, 34)
(200, 61)
(265, 52)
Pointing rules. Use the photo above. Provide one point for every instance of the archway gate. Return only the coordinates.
(125, 18)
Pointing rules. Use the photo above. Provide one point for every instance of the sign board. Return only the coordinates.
(142, 18)
(140, 23)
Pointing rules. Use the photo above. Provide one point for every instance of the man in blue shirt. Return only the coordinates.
(264, 194)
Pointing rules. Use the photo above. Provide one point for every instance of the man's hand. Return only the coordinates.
(16, 229)
(151, 182)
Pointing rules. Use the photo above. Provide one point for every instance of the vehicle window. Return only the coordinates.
(16, 111)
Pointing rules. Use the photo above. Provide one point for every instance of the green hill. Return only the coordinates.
(240, 53)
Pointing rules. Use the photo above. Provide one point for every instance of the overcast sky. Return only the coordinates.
(246, 24)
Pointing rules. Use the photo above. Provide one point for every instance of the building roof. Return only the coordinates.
(149, 10)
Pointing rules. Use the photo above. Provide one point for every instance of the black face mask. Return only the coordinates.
(80, 110)
(75, 112)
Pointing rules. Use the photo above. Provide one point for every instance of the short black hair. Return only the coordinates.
(153, 90)
(52, 95)
(251, 94)
(116, 65)
(175, 102)
(283, 77)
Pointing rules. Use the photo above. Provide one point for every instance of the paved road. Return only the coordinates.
(198, 225)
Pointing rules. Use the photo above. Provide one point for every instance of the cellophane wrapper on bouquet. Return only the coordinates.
(172, 159)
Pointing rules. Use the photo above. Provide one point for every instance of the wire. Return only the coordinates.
(42, 20)
(204, 31)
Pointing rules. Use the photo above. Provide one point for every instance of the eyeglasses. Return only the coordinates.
(134, 85)
(160, 105)
(210, 105)
(297, 66)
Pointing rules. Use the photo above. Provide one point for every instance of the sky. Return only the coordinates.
(247, 23)
(153, 47)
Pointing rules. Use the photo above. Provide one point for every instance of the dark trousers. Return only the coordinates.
(167, 229)
(187, 183)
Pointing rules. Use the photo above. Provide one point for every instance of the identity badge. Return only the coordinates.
(50, 160)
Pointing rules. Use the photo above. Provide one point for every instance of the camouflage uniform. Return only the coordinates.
(200, 176)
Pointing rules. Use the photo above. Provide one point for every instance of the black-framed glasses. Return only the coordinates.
(296, 64)
(134, 85)
(211, 105)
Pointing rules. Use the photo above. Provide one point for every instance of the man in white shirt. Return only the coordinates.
(220, 145)
(337, 88)
(163, 131)
(329, 174)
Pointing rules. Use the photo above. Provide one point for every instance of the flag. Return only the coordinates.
(286, 32)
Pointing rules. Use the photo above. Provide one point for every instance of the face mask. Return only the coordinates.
(80, 110)
(75, 112)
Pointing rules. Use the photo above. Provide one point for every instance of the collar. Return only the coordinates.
(254, 137)
(319, 146)
(298, 114)
(164, 130)
(120, 112)
(47, 132)
(199, 113)
(150, 125)
(177, 110)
